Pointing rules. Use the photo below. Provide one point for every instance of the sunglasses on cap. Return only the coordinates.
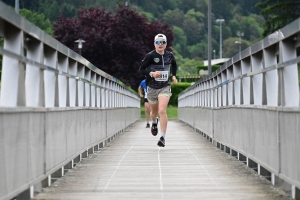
(158, 42)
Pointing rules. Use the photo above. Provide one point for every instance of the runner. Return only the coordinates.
(143, 86)
(157, 65)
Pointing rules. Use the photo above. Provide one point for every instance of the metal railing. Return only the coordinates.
(250, 107)
(55, 107)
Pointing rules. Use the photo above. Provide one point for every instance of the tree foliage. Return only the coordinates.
(115, 42)
(188, 19)
(278, 14)
(188, 15)
(231, 48)
(38, 19)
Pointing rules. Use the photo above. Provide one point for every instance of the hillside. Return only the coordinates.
(187, 17)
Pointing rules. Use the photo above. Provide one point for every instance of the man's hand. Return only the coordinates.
(174, 79)
(155, 74)
(141, 95)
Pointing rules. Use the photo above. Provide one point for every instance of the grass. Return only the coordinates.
(171, 112)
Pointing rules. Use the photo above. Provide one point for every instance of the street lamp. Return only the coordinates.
(214, 54)
(239, 43)
(80, 41)
(17, 6)
(240, 34)
(220, 21)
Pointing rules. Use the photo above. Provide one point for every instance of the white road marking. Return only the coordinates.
(160, 174)
(203, 168)
(116, 169)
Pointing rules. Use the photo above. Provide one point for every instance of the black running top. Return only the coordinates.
(162, 63)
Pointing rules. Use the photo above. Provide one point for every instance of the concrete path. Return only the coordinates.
(134, 167)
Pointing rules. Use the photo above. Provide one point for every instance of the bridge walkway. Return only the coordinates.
(133, 167)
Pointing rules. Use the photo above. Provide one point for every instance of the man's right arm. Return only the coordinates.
(140, 91)
(144, 64)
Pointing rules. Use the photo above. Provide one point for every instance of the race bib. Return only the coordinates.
(164, 76)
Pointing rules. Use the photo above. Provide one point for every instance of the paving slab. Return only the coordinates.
(133, 167)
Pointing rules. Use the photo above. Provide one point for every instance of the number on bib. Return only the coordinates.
(164, 76)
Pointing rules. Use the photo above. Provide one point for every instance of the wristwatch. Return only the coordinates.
(150, 74)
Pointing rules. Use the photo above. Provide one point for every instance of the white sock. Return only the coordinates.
(162, 134)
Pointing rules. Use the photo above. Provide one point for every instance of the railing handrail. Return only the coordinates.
(276, 37)
(250, 106)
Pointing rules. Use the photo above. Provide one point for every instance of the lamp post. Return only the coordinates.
(17, 6)
(220, 21)
(80, 41)
(209, 37)
(214, 54)
(239, 43)
(240, 34)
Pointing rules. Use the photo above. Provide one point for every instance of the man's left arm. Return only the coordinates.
(174, 70)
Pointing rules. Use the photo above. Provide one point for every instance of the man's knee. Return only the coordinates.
(162, 112)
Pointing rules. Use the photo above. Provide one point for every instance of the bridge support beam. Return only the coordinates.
(295, 192)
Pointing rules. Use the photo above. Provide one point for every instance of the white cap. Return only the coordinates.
(160, 36)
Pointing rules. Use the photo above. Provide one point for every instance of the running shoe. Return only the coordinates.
(161, 142)
(148, 125)
(157, 120)
(154, 129)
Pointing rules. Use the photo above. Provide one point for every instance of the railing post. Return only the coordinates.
(12, 83)
(34, 77)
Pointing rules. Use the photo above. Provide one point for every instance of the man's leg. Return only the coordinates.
(147, 109)
(162, 110)
(163, 100)
(153, 101)
(154, 111)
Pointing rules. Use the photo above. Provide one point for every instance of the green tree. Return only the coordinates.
(173, 17)
(186, 5)
(188, 17)
(197, 50)
(231, 48)
(278, 14)
(38, 19)
(192, 29)
(193, 26)
(68, 10)
(50, 8)
(251, 28)
(114, 42)
(168, 4)
(187, 66)
(222, 10)
(152, 7)
(195, 14)
(179, 39)
(111, 5)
